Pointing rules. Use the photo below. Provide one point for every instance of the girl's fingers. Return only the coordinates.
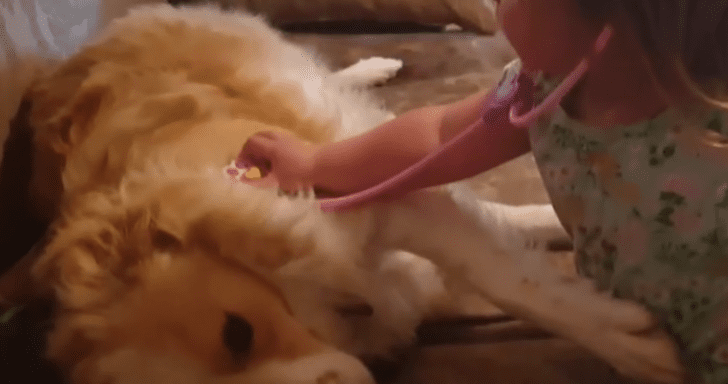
(258, 151)
(625, 315)
(267, 134)
(268, 181)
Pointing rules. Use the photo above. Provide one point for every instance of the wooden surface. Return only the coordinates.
(515, 362)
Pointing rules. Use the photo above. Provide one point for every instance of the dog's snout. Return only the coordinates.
(330, 377)
(340, 368)
(339, 376)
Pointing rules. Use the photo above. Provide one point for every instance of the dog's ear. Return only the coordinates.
(96, 246)
(30, 179)
(64, 107)
(30, 190)
(72, 120)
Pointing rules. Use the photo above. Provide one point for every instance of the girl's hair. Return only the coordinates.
(686, 42)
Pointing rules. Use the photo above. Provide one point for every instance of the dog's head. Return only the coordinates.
(193, 319)
(180, 277)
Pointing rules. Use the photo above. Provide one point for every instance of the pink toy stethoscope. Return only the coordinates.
(518, 97)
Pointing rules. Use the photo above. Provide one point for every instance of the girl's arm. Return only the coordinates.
(358, 163)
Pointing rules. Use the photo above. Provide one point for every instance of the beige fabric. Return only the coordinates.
(35, 33)
(112, 9)
(472, 15)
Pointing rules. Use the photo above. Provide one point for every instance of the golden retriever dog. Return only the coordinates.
(122, 110)
(164, 270)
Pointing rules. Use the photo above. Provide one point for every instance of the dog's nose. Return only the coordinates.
(330, 377)
(328, 367)
(348, 370)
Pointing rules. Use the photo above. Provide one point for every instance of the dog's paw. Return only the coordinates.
(649, 355)
(371, 71)
(379, 68)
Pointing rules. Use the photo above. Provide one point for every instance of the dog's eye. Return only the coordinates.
(237, 334)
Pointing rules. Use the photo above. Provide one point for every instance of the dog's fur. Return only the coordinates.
(155, 249)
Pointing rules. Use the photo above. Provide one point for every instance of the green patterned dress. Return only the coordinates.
(647, 207)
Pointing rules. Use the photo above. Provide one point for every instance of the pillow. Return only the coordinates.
(472, 15)
(27, 44)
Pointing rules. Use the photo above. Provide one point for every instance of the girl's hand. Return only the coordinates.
(284, 160)
(649, 356)
(627, 336)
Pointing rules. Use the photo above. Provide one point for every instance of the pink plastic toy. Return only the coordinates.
(511, 104)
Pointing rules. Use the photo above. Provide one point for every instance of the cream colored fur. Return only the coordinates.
(154, 246)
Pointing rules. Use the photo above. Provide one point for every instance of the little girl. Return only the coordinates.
(634, 156)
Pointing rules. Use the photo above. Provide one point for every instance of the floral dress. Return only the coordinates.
(647, 207)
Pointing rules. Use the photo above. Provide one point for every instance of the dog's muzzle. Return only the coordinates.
(331, 367)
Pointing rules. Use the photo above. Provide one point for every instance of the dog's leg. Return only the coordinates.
(531, 227)
(368, 72)
(434, 225)
(449, 232)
